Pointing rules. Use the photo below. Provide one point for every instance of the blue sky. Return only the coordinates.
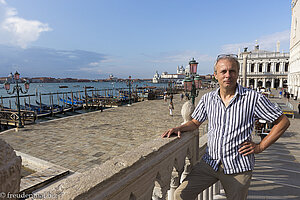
(95, 38)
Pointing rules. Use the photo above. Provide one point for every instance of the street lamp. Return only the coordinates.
(191, 85)
(17, 89)
(129, 89)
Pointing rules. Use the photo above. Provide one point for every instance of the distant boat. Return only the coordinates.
(88, 87)
(76, 85)
(63, 86)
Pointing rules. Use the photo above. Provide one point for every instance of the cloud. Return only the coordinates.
(18, 31)
(182, 57)
(266, 42)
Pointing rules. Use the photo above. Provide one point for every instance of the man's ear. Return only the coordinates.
(215, 75)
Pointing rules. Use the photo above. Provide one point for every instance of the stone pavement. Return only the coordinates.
(277, 169)
(83, 141)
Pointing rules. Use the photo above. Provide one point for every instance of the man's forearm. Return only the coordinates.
(189, 126)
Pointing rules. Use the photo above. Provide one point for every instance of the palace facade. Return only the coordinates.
(264, 68)
(294, 75)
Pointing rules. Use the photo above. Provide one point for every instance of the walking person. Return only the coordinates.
(280, 94)
(299, 107)
(181, 96)
(288, 96)
(171, 108)
(171, 97)
(231, 111)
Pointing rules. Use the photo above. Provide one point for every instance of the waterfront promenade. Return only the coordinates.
(81, 142)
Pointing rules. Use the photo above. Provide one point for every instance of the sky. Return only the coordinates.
(94, 38)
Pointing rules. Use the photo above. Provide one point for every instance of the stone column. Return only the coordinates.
(273, 83)
(280, 83)
(244, 71)
(10, 170)
(255, 83)
(248, 82)
(264, 82)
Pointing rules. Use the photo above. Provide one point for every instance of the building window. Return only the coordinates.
(286, 67)
(277, 67)
(260, 67)
(252, 67)
(269, 67)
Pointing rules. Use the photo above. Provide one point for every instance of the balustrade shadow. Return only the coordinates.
(277, 171)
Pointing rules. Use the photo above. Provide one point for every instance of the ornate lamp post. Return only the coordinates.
(191, 85)
(17, 89)
(129, 89)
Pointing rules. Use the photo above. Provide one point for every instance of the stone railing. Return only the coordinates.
(152, 171)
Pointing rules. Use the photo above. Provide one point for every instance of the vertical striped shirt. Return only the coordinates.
(229, 127)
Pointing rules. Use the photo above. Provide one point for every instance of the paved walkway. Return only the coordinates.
(83, 141)
(277, 170)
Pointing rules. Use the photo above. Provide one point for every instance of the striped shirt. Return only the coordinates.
(229, 127)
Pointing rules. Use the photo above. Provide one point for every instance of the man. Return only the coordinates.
(231, 111)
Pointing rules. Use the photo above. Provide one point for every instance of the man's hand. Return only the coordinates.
(169, 132)
(249, 147)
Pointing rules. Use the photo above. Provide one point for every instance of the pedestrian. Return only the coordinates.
(171, 108)
(165, 97)
(280, 94)
(171, 97)
(187, 96)
(288, 96)
(231, 111)
(299, 107)
(181, 96)
(101, 106)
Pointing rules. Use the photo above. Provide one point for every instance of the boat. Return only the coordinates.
(55, 109)
(74, 105)
(88, 87)
(40, 111)
(63, 86)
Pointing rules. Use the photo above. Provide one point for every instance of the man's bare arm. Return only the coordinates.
(281, 124)
(189, 126)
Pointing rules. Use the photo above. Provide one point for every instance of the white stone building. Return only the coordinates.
(265, 69)
(165, 77)
(294, 75)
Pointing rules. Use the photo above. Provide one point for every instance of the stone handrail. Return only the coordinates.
(151, 171)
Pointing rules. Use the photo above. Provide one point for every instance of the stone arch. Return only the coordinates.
(259, 83)
(276, 83)
(268, 84)
(251, 83)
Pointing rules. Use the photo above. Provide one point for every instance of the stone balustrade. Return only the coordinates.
(10, 171)
(152, 171)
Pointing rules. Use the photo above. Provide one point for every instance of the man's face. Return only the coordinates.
(227, 74)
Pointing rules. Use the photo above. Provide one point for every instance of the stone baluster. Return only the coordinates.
(174, 184)
(187, 169)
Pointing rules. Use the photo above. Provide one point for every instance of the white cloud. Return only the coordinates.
(181, 57)
(17, 31)
(3, 2)
(266, 42)
(94, 70)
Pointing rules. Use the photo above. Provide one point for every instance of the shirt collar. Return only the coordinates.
(240, 90)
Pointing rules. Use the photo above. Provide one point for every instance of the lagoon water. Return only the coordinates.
(45, 88)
